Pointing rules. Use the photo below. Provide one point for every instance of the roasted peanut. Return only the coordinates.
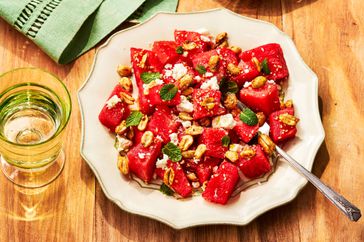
(236, 49)
(127, 98)
(266, 143)
(185, 81)
(189, 154)
(147, 138)
(143, 60)
(200, 151)
(233, 69)
(221, 40)
(191, 176)
(189, 45)
(130, 134)
(123, 164)
(288, 103)
(168, 177)
(288, 119)
(257, 63)
(213, 62)
(259, 81)
(205, 122)
(261, 118)
(194, 130)
(247, 152)
(186, 142)
(208, 103)
(143, 123)
(185, 116)
(125, 83)
(232, 155)
(121, 128)
(124, 71)
(187, 91)
(230, 101)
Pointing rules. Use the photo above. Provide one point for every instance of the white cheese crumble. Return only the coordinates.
(186, 124)
(174, 138)
(185, 54)
(197, 78)
(151, 84)
(113, 101)
(205, 38)
(162, 163)
(264, 129)
(247, 84)
(271, 81)
(141, 155)
(185, 105)
(122, 143)
(178, 71)
(224, 121)
(236, 147)
(208, 74)
(203, 31)
(168, 66)
(211, 84)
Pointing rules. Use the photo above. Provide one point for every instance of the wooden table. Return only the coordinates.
(330, 37)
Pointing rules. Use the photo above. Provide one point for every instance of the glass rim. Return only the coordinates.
(68, 114)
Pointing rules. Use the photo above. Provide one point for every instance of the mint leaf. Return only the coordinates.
(265, 67)
(201, 69)
(168, 92)
(173, 152)
(248, 117)
(166, 190)
(225, 141)
(179, 50)
(134, 119)
(228, 86)
(148, 77)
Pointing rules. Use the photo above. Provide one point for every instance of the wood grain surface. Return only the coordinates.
(329, 34)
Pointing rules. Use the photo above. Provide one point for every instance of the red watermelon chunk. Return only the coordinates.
(274, 54)
(200, 110)
(112, 117)
(256, 166)
(212, 138)
(163, 123)
(165, 51)
(180, 184)
(248, 72)
(280, 131)
(244, 131)
(155, 99)
(142, 160)
(204, 168)
(222, 183)
(184, 37)
(263, 99)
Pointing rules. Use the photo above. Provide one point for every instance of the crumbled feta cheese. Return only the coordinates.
(162, 163)
(178, 71)
(271, 81)
(205, 38)
(203, 31)
(168, 66)
(159, 137)
(186, 124)
(151, 84)
(141, 155)
(168, 73)
(208, 74)
(211, 84)
(185, 105)
(224, 121)
(185, 54)
(247, 84)
(264, 129)
(174, 138)
(122, 144)
(113, 101)
(197, 78)
(236, 147)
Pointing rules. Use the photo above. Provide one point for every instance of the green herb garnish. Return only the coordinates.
(201, 69)
(148, 77)
(228, 86)
(179, 50)
(173, 152)
(134, 118)
(168, 92)
(265, 67)
(225, 141)
(248, 117)
(166, 190)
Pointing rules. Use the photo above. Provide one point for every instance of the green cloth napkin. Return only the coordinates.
(65, 29)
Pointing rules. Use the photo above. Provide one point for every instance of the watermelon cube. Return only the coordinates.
(166, 51)
(255, 166)
(248, 72)
(204, 168)
(274, 55)
(212, 138)
(206, 103)
(142, 160)
(280, 131)
(222, 183)
(263, 99)
(244, 131)
(186, 37)
(114, 111)
(163, 123)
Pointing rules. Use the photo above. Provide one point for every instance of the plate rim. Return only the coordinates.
(292, 195)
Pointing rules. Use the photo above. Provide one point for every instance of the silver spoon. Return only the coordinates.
(350, 210)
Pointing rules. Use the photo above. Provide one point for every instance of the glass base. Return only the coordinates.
(33, 178)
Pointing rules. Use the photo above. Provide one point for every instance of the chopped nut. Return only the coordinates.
(168, 177)
(235, 112)
(125, 83)
(130, 133)
(194, 130)
(189, 154)
(213, 62)
(196, 184)
(247, 152)
(232, 155)
(236, 49)
(257, 63)
(185, 81)
(123, 164)
(187, 91)
(233, 69)
(235, 147)
(143, 60)
(266, 143)
(124, 71)
(204, 185)
(221, 40)
(288, 103)
(127, 98)
(186, 142)
(288, 119)
(201, 149)
(143, 123)
(230, 101)
(185, 116)
(208, 103)
(121, 128)
(189, 45)
(261, 118)
(147, 138)
(259, 81)
(191, 176)
(205, 122)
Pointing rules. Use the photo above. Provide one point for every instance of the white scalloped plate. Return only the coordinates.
(97, 144)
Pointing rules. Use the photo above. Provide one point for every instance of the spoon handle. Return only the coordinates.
(351, 211)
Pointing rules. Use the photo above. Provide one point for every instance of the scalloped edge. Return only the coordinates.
(287, 199)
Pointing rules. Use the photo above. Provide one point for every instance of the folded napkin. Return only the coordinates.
(65, 29)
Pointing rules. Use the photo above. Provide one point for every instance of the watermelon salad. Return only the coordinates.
(184, 127)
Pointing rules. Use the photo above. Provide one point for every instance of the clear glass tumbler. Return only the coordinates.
(35, 107)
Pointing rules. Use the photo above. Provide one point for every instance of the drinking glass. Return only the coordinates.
(35, 107)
